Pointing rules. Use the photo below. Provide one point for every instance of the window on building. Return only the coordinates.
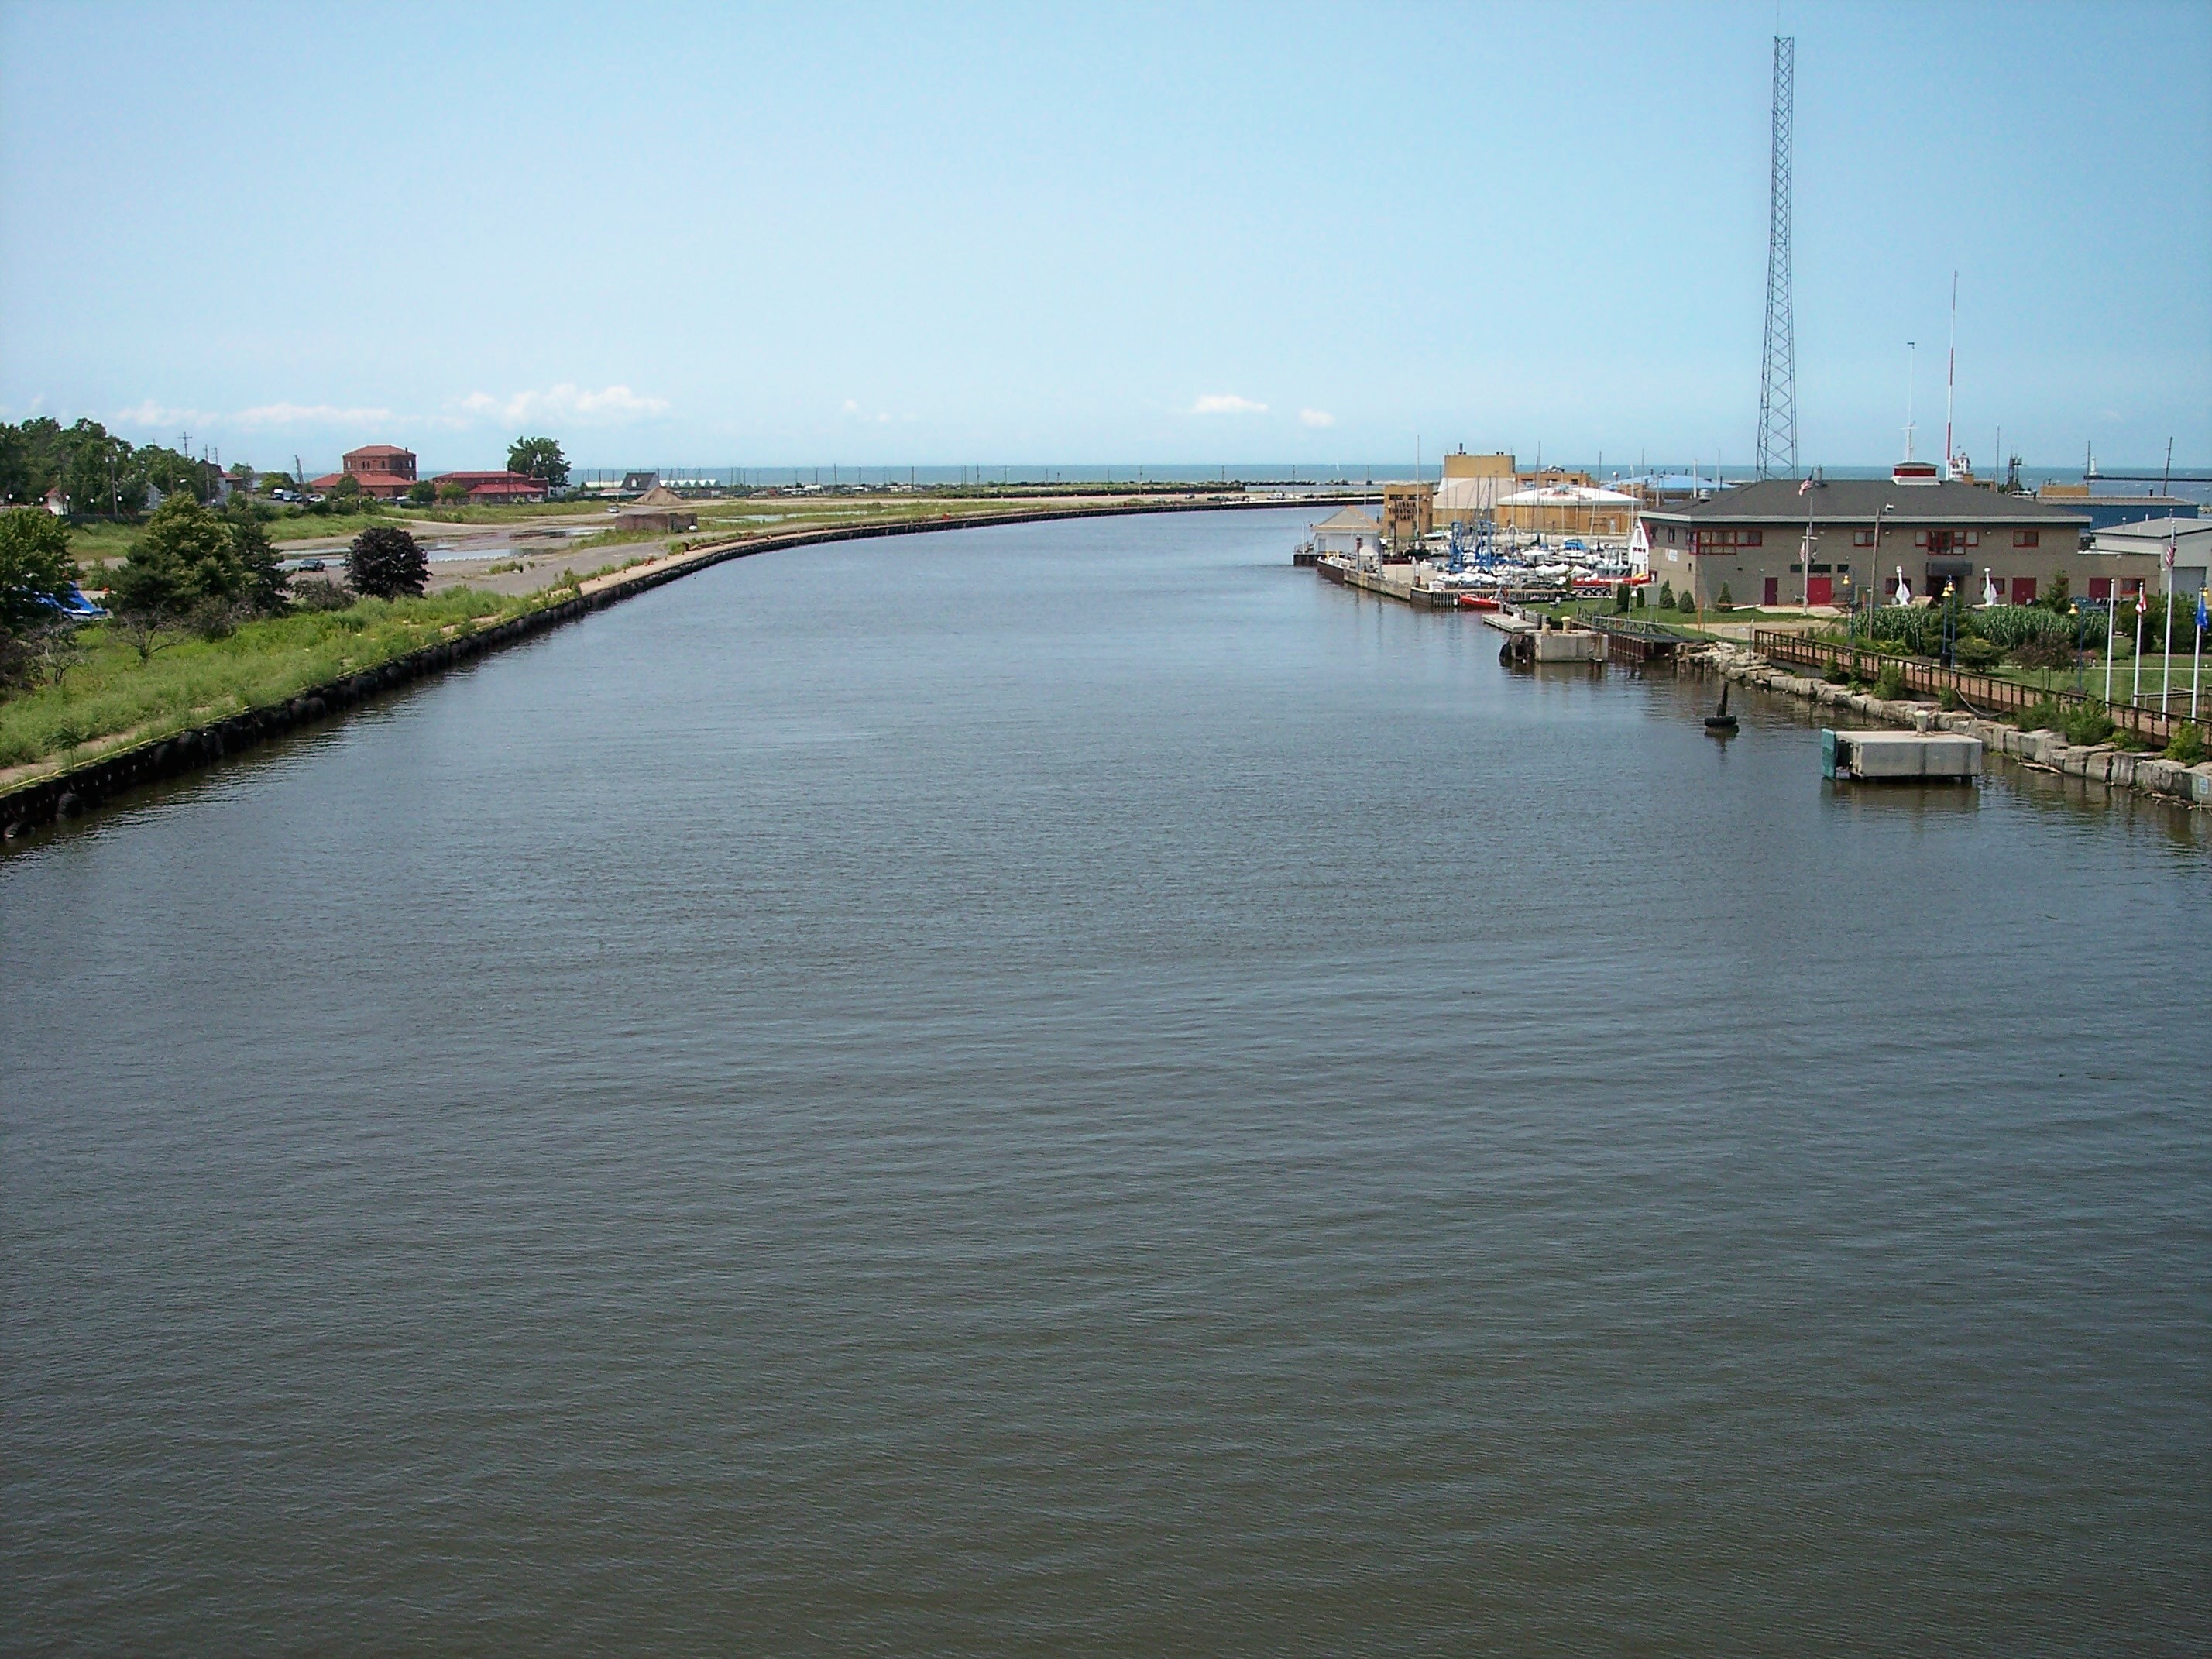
(1862, 538)
(2026, 537)
(1753, 538)
(1920, 539)
(2101, 587)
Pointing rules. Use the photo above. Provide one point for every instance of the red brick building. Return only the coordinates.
(384, 470)
(494, 486)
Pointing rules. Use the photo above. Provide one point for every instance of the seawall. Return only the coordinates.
(2104, 763)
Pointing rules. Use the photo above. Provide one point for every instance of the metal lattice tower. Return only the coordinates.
(1777, 391)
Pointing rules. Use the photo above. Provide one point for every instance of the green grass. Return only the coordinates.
(113, 693)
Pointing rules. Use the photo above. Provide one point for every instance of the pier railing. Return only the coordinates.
(1979, 694)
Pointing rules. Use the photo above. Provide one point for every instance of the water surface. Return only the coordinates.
(1071, 1089)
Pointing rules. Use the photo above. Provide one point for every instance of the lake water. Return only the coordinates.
(1071, 1089)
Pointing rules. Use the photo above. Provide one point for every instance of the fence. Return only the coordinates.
(1978, 694)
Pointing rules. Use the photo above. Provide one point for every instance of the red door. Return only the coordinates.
(2023, 590)
(1774, 594)
(1820, 590)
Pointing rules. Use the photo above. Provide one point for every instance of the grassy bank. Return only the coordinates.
(112, 697)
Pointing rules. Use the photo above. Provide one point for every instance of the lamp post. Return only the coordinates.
(1950, 620)
(2111, 619)
(2074, 610)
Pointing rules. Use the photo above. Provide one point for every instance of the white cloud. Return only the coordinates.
(146, 412)
(308, 415)
(613, 405)
(1223, 403)
(852, 406)
(1316, 417)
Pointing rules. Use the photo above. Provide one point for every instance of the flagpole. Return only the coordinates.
(2197, 668)
(2165, 673)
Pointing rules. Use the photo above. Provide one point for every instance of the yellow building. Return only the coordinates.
(1408, 514)
(1471, 486)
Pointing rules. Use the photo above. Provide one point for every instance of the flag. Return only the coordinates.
(2143, 600)
(1806, 485)
(2203, 621)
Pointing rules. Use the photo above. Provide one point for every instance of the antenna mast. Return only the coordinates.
(1777, 391)
(1951, 385)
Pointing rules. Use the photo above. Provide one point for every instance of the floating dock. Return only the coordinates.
(1900, 756)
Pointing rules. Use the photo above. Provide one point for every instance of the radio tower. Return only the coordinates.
(1778, 390)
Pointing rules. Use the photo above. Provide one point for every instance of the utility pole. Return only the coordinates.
(1777, 393)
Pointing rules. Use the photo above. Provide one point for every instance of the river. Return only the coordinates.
(1071, 1089)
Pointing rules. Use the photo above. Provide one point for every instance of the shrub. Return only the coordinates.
(1636, 597)
(1620, 598)
(1947, 699)
(422, 493)
(385, 561)
(1726, 601)
(2043, 716)
(1687, 602)
(2188, 745)
(2088, 723)
(319, 593)
(1891, 686)
(2046, 653)
(1838, 673)
(1665, 596)
(1977, 656)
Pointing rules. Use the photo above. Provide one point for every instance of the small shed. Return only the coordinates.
(1346, 532)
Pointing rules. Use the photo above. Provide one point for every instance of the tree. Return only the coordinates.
(1665, 596)
(188, 556)
(539, 458)
(422, 493)
(263, 590)
(36, 571)
(1725, 601)
(385, 562)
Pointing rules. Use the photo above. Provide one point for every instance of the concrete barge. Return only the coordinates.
(1901, 757)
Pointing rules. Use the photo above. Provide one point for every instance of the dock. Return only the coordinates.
(1901, 757)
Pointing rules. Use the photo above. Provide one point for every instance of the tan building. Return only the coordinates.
(1786, 541)
(1409, 514)
(1471, 486)
(1568, 509)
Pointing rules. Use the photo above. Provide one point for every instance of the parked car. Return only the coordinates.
(76, 607)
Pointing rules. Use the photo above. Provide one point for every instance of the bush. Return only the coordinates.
(1947, 699)
(2047, 653)
(422, 493)
(1726, 601)
(2088, 723)
(2043, 716)
(2188, 745)
(319, 593)
(1891, 686)
(385, 561)
(1977, 656)
(1636, 597)
(1838, 673)
(1687, 602)
(1620, 598)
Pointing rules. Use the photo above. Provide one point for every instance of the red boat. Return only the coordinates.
(1478, 602)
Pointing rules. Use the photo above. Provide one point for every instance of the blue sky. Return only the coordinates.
(748, 237)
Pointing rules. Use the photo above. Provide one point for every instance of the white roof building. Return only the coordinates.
(2191, 539)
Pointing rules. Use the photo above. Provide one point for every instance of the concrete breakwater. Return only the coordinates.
(76, 790)
(2105, 763)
